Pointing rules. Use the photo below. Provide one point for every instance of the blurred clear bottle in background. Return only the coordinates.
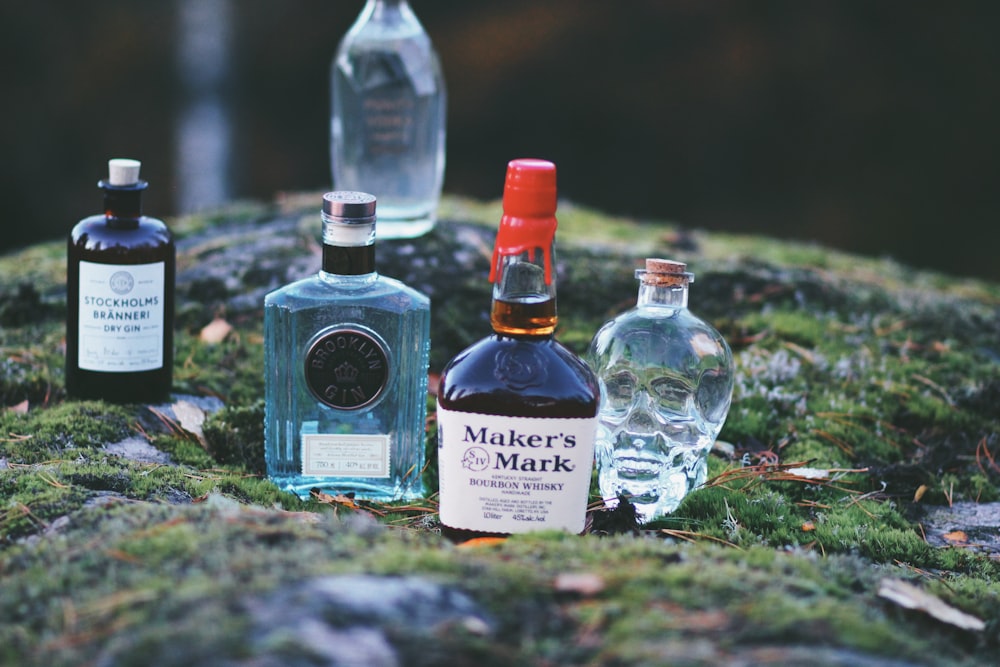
(666, 380)
(387, 120)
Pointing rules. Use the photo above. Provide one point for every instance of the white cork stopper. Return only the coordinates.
(122, 171)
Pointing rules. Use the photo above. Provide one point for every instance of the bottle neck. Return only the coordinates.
(349, 261)
(522, 270)
(524, 294)
(670, 296)
(123, 204)
(383, 10)
(348, 246)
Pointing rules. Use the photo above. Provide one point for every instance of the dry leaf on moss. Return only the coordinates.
(191, 418)
(957, 537)
(476, 542)
(909, 596)
(583, 583)
(215, 331)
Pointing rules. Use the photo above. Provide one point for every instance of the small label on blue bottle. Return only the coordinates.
(342, 455)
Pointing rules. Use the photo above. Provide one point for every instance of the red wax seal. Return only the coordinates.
(529, 208)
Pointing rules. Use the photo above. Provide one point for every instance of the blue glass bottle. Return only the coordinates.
(346, 356)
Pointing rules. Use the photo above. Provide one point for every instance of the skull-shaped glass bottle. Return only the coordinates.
(666, 381)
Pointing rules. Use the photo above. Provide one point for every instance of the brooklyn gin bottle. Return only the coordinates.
(120, 297)
(346, 354)
(517, 411)
(666, 381)
(387, 120)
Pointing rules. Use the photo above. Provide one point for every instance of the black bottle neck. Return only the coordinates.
(123, 203)
(348, 260)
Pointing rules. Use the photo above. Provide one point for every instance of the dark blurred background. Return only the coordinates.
(867, 126)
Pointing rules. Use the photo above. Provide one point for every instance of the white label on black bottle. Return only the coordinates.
(121, 317)
(514, 474)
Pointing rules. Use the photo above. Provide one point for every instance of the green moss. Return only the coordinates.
(44, 434)
(184, 450)
(752, 418)
(41, 265)
(30, 367)
(235, 436)
(245, 211)
(874, 530)
(734, 598)
(981, 488)
(32, 500)
(802, 328)
(231, 369)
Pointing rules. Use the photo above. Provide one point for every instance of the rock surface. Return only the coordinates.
(861, 448)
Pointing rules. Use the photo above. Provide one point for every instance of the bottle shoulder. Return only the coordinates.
(95, 232)
(655, 318)
(97, 226)
(405, 290)
(519, 377)
(648, 337)
(379, 292)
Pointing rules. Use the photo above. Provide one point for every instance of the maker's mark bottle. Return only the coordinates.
(120, 297)
(517, 411)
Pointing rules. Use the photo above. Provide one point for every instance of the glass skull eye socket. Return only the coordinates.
(620, 388)
(673, 392)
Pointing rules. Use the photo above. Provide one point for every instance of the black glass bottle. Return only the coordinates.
(120, 297)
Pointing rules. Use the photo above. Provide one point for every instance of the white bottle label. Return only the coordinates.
(514, 474)
(121, 317)
(341, 455)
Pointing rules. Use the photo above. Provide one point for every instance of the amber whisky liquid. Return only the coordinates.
(532, 317)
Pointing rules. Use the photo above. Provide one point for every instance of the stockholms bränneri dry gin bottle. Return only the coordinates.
(120, 297)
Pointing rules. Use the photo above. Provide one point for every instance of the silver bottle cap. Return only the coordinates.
(348, 218)
(349, 207)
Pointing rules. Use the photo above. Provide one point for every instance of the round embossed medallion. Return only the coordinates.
(346, 368)
(520, 366)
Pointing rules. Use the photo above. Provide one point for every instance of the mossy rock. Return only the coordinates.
(866, 401)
